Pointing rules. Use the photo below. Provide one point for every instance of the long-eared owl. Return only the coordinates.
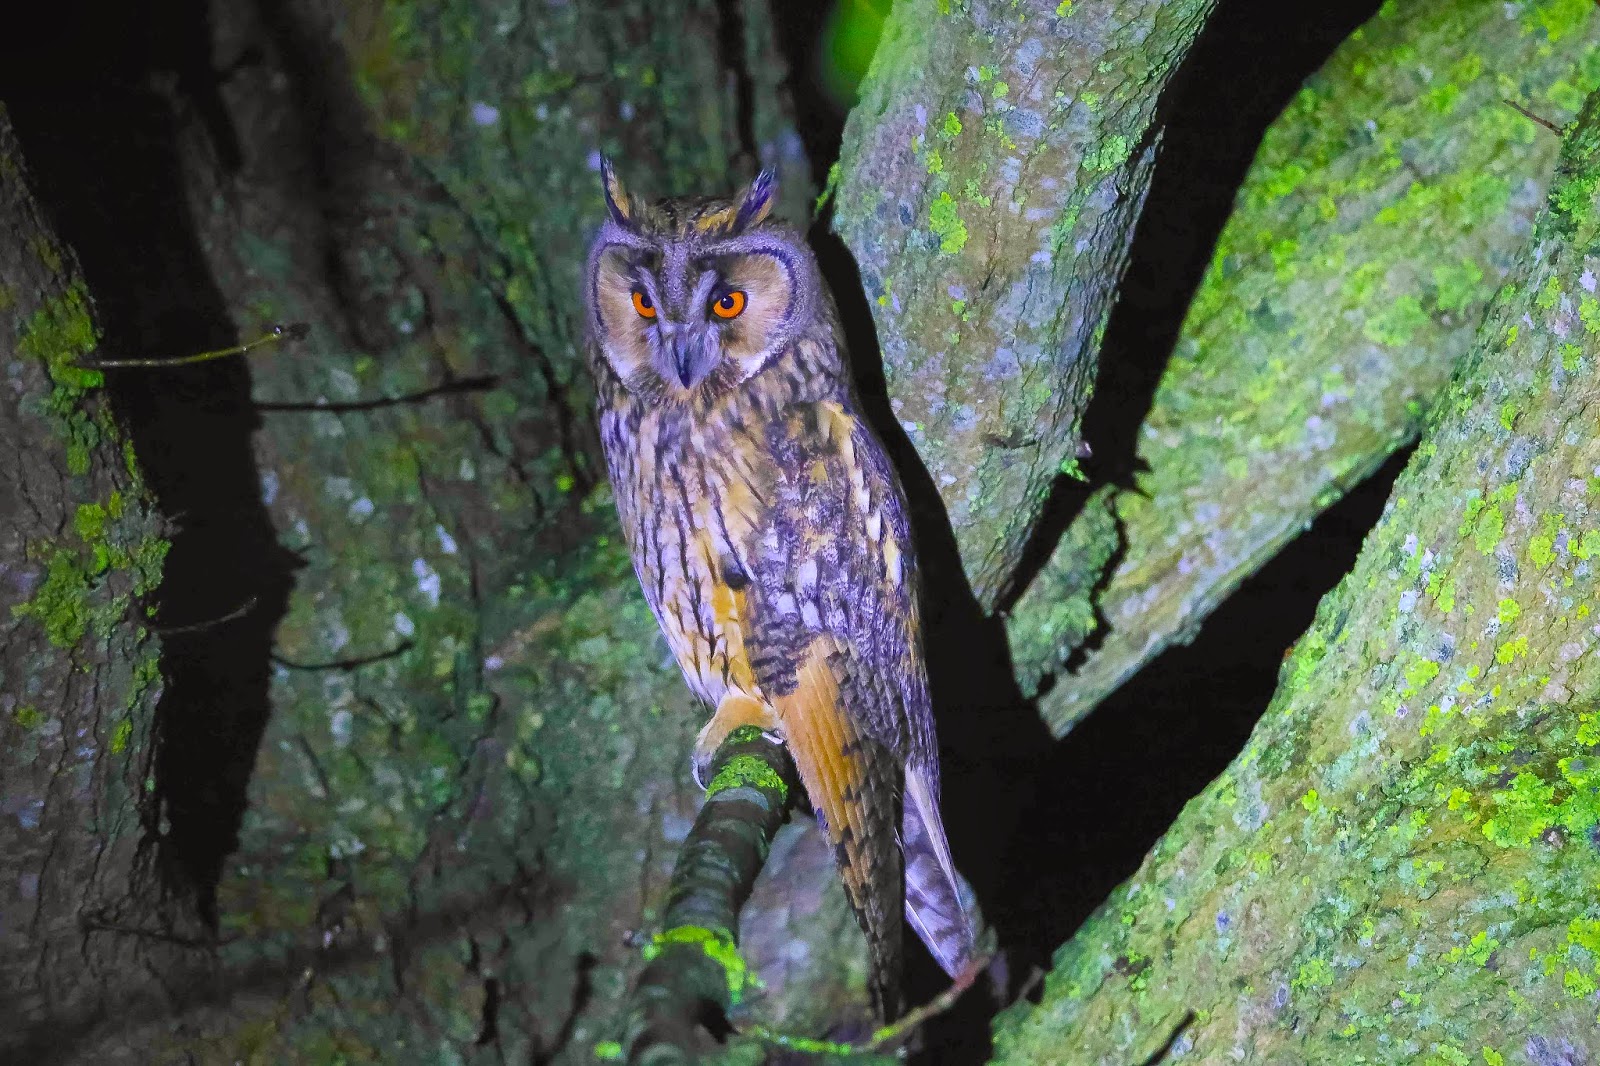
(769, 533)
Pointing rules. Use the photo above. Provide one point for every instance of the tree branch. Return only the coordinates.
(694, 961)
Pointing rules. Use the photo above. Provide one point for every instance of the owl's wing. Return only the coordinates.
(834, 645)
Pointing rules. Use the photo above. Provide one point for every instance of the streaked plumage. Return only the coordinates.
(769, 533)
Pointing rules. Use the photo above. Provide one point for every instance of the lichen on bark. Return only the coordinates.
(989, 182)
(79, 674)
(1401, 865)
(1381, 211)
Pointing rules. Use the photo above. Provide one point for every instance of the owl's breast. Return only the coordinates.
(690, 497)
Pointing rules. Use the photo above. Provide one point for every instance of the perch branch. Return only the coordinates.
(694, 963)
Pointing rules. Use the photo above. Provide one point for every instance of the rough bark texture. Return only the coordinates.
(80, 916)
(1381, 211)
(1401, 867)
(474, 778)
(694, 962)
(988, 186)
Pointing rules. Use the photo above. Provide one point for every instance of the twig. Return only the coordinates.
(345, 664)
(296, 331)
(193, 627)
(1540, 119)
(694, 965)
(481, 383)
(890, 1036)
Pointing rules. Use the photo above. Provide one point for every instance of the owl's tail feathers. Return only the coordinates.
(940, 904)
(850, 781)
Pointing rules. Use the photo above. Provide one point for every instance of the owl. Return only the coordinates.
(769, 533)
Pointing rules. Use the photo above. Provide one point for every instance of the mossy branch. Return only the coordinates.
(694, 964)
(1400, 866)
(1351, 276)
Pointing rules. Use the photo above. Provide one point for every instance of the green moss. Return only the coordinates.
(1522, 812)
(1558, 18)
(1457, 286)
(717, 945)
(1541, 551)
(90, 521)
(1488, 529)
(61, 605)
(945, 222)
(747, 771)
(1314, 974)
(1421, 672)
(146, 560)
(1108, 154)
(58, 333)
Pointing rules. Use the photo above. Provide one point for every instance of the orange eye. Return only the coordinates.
(642, 304)
(731, 305)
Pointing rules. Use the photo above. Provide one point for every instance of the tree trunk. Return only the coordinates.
(1382, 210)
(82, 915)
(466, 800)
(1401, 865)
(988, 187)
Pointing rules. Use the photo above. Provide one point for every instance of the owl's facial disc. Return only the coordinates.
(679, 313)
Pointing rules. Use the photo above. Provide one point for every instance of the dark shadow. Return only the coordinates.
(818, 115)
(95, 100)
(1106, 793)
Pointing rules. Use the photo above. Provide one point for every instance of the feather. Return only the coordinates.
(850, 780)
(617, 202)
(757, 201)
(938, 900)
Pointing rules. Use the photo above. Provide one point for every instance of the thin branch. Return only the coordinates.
(889, 1037)
(694, 964)
(293, 332)
(345, 664)
(481, 383)
(1540, 119)
(194, 627)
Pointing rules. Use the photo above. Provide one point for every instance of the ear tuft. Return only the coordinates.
(617, 202)
(758, 199)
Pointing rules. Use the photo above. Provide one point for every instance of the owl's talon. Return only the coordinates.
(735, 710)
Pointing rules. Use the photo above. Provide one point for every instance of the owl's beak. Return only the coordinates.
(691, 361)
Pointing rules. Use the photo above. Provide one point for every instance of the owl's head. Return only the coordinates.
(688, 295)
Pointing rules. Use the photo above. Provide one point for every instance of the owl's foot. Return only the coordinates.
(734, 711)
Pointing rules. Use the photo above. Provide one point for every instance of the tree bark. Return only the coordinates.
(988, 186)
(482, 801)
(1381, 211)
(82, 915)
(1401, 865)
(473, 781)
